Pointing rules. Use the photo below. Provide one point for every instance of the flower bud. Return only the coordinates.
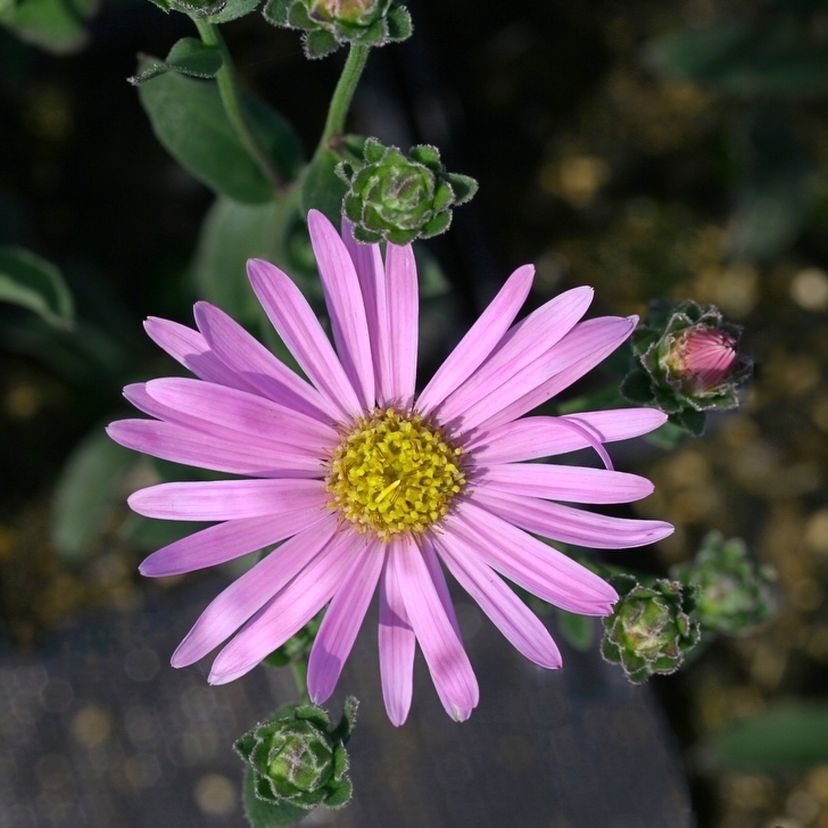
(650, 629)
(399, 197)
(732, 593)
(298, 759)
(687, 362)
(328, 24)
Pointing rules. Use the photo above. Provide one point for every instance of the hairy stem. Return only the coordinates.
(344, 94)
(228, 84)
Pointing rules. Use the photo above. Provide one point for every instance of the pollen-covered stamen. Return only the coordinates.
(394, 473)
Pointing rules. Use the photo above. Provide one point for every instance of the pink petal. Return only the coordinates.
(396, 648)
(246, 414)
(594, 339)
(402, 321)
(289, 610)
(180, 444)
(508, 613)
(574, 484)
(480, 340)
(346, 306)
(527, 343)
(190, 348)
(576, 526)
(342, 621)
(536, 566)
(447, 660)
(249, 593)
(435, 569)
(297, 325)
(225, 499)
(370, 271)
(248, 358)
(534, 437)
(228, 541)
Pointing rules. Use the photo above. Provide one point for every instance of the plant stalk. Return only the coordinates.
(343, 95)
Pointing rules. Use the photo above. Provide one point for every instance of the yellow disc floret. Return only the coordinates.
(394, 473)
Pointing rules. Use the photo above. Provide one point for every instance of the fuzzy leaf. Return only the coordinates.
(233, 10)
(262, 814)
(188, 56)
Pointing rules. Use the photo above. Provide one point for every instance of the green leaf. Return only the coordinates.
(54, 25)
(189, 56)
(262, 814)
(188, 118)
(784, 737)
(578, 630)
(231, 234)
(88, 493)
(31, 282)
(233, 10)
(322, 188)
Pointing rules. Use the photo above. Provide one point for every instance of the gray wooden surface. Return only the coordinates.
(97, 731)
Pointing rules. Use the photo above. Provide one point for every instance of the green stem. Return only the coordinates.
(344, 94)
(299, 668)
(228, 84)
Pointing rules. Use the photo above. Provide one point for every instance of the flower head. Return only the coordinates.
(363, 483)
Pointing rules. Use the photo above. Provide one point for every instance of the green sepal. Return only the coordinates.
(465, 187)
(244, 745)
(399, 24)
(373, 150)
(341, 795)
(636, 387)
(443, 197)
(318, 44)
(261, 814)
(690, 420)
(400, 236)
(276, 12)
(366, 236)
(437, 225)
(427, 155)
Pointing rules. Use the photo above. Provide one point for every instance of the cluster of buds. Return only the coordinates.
(732, 593)
(687, 362)
(328, 24)
(651, 628)
(398, 197)
(296, 760)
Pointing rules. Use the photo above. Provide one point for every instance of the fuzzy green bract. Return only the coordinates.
(732, 593)
(296, 760)
(329, 24)
(398, 198)
(686, 363)
(651, 628)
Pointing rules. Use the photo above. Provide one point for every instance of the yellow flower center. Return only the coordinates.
(394, 473)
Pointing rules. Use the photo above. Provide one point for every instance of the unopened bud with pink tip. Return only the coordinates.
(687, 361)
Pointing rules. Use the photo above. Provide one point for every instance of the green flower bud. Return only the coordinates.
(732, 593)
(399, 197)
(297, 759)
(650, 630)
(328, 24)
(687, 362)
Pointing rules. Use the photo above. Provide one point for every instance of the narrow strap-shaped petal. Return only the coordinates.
(573, 484)
(289, 610)
(225, 499)
(595, 339)
(445, 656)
(568, 525)
(342, 621)
(248, 358)
(533, 437)
(396, 643)
(180, 444)
(523, 346)
(435, 569)
(190, 348)
(249, 593)
(249, 414)
(480, 341)
(596, 336)
(528, 562)
(346, 307)
(402, 322)
(228, 541)
(508, 613)
(370, 271)
(297, 325)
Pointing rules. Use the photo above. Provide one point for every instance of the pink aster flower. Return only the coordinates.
(365, 483)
